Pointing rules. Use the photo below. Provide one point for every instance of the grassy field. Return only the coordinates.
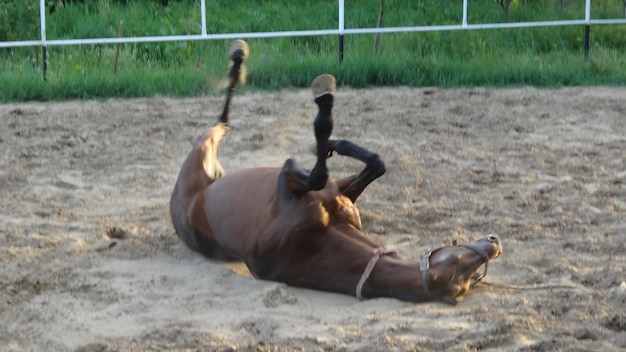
(546, 56)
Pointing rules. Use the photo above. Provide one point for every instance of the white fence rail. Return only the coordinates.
(340, 31)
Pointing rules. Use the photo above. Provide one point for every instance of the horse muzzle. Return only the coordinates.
(491, 244)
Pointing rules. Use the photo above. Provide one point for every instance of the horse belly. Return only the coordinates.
(238, 207)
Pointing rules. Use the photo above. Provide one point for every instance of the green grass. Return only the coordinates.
(547, 56)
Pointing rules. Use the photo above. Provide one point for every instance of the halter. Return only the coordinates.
(425, 265)
(478, 277)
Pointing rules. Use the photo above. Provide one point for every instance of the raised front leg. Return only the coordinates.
(323, 88)
(353, 186)
(298, 180)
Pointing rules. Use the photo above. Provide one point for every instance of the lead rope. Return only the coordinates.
(376, 254)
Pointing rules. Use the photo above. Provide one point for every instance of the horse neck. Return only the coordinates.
(393, 277)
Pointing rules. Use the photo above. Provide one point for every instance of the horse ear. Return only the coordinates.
(293, 179)
(449, 300)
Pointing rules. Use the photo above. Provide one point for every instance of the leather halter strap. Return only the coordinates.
(424, 267)
(478, 277)
(376, 254)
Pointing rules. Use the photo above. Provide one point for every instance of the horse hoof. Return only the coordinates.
(323, 84)
(238, 49)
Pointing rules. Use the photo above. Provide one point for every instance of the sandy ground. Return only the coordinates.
(544, 169)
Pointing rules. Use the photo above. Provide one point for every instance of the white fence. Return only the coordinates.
(340, 31)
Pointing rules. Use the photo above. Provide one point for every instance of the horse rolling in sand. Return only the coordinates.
(301, 227)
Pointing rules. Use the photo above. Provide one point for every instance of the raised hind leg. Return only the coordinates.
(201, 168)
(238, 53)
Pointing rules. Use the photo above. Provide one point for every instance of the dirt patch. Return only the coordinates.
(90, 262)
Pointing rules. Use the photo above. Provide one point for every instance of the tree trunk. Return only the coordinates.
(441, 10)
(504, 4)
(378, 24)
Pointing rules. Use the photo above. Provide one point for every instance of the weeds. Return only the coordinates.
(544, 56)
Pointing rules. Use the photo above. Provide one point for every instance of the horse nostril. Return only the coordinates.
(493, 238)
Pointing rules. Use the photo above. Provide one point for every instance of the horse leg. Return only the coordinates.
(323, 88)
(353, 186)
(238, 53)
(201, 168)
(298, 181)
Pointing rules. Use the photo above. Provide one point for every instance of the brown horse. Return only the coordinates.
(301, 227)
